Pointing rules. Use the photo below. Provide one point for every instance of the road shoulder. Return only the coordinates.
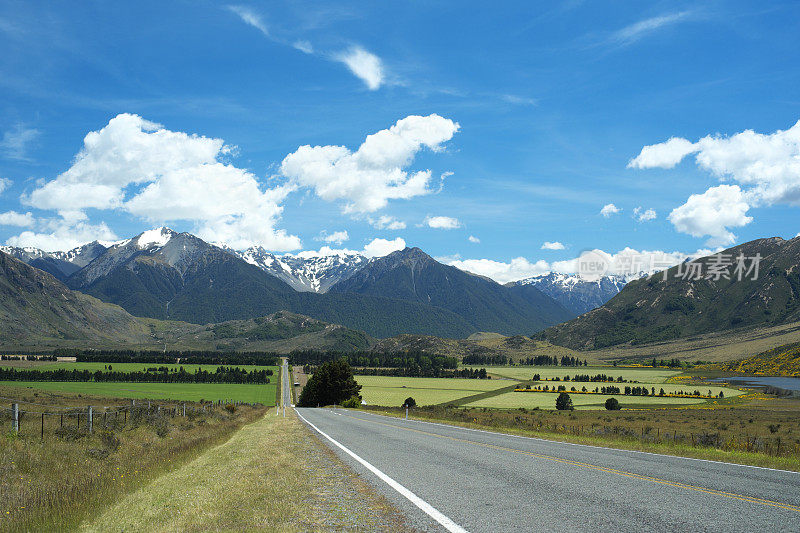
(272, 474)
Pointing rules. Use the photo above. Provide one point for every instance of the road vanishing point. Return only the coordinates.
(447, 478)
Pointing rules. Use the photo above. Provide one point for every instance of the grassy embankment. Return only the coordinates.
(273, 475)
(55, 482)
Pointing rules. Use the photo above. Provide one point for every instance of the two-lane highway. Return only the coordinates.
(445, 477)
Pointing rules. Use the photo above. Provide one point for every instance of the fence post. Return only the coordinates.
(42, 426)
(184, 410)
(89, 419)
(15, 417)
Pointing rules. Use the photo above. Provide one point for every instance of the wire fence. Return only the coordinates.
(46, 419)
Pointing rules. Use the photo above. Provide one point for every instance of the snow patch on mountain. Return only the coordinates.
(306, 271)
(155, 237)
(577, 294)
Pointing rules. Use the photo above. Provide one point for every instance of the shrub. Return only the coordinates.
(352, 403)
(331, 384)
(410, 402)
(564, 402)
(230, 408)
(612, 404)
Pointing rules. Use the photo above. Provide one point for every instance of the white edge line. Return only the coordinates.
(583, 445)
(427, 508)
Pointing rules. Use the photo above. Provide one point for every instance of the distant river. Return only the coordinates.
(761, 381)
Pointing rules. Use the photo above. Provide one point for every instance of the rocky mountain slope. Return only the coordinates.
(412, 275)
(37, 308)
(682, 304)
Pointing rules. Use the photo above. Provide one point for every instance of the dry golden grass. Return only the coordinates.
(52, 483)
(271, 475)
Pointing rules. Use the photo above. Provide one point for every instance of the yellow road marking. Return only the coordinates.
(714, 492)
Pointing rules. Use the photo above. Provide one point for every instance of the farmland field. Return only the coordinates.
(392, 391)
(642, 375)
(249, 393)
(123, 367)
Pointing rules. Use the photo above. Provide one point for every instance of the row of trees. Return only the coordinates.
(221, 375)
(416, 371)
(539, 360)
(409, 359)
(190, 357)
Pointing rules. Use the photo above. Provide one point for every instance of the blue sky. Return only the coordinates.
(532, 118)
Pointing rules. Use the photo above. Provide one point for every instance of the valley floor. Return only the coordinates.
(271, 474)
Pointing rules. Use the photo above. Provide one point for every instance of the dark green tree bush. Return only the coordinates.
(410, 402)
(564, 402)
(331, 384)
(612, 404)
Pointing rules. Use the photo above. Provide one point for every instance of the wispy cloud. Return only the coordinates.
(15, 142)
(633, 32)
(250, 17)
(364, 65)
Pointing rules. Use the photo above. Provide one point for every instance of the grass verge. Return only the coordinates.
(582, 428)
(51, 484)
(272, 474)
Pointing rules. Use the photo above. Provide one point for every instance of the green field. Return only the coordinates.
(126, 367)
(392, 391)
(642, 375)
(250, 393)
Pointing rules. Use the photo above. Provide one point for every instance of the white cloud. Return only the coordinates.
(474, 239)
(764, 167)
(547, 245)
(636, 31)
(609, 209)
(712, 213)
(64, 233)
(516, 269)
(374, 174)
(387, 222)
(161, 175)
(519, 100)
(623, 262)
(337, 237)
(644, 215)
(12, 218)
(663, 155)
(364, 65)
(16, 141)
(381, 247)
(442, 222)
(5, 183)
(250, 17)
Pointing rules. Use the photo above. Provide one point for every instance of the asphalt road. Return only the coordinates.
(484, 481)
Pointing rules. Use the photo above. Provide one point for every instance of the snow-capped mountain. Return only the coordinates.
(59, 264)
(307, 271)
(577, 294)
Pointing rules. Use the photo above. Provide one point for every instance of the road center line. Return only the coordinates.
(677, 484)
(424, 506)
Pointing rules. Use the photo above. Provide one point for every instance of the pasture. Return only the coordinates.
(392, 391)
(122, 367)
(190, 392)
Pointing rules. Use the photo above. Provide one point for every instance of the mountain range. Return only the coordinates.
(167, 275)
(576, 294)
(680, 303)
